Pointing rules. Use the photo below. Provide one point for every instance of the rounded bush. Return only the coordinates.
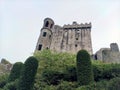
(28, 74)
(84, 68)
(15, 72)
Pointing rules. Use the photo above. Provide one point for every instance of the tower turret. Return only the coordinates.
(45, 37)
(48, 23)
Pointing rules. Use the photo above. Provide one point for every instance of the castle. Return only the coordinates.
(69, 38)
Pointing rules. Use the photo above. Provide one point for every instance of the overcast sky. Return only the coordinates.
(21, 21)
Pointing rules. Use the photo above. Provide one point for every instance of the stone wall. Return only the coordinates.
(109, 55)
(98, 55)
(5, 66)
(72, 38)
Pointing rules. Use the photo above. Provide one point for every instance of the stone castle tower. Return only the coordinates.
(69, 38)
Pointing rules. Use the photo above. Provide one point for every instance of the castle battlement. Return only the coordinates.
(75, 25)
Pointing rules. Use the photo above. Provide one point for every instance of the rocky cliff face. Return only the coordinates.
(5, 66)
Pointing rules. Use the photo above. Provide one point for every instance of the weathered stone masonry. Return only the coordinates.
(69, 38)
(109, 55)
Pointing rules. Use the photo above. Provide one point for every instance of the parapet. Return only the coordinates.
(78, 26)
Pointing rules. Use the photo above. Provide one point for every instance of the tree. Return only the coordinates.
(28, 74)
(15, 72)
(84, 68)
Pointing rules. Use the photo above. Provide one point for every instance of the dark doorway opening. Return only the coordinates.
(40, 47)
(96, 57)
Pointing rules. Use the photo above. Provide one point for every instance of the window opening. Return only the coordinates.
(51, 26)
(40, 47)
(76, 38)
(44, 34)
(47, 23)
(49, 36)
(76, 45)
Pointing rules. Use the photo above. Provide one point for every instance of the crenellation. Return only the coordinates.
(78, 26)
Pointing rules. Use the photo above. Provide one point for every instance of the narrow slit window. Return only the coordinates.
(49, 36)
(51, 26)
(47, 23)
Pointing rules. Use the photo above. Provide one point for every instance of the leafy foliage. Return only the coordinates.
(57, 71)
(11, 85)
(114, 84)
(28, 73)
(57, 68)
(106, 71)
(65, 85)
(15, 72)
(3, 80)
(84, 68)
(53, 67)
(52, 77)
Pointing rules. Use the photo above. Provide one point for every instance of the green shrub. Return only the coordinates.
(70, 74)
(52, 77)
(64, 85)
(53, 64)
(54, 61)
(28, 74)
(11, 85)
(114, 84)
(62, 66)
(15, 72)
(84, 68)
(102, 85)
(106, 71)
(3, 80)
(98, 71)
(49, 87)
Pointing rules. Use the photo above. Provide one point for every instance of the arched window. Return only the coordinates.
(47, 23)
